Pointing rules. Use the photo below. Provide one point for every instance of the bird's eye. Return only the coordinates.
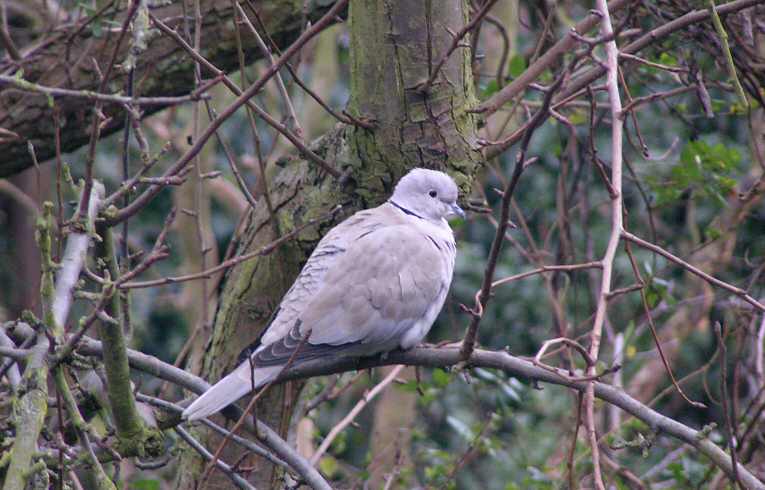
(433, 193)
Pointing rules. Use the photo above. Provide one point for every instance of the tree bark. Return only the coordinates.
(65, 59)
(394, 45)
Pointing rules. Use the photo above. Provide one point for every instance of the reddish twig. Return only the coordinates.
(724, 399)
(265, 250)
(741, 293)
(471, 334)
(652, 328)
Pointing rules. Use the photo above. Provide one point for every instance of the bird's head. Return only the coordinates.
(429, 194)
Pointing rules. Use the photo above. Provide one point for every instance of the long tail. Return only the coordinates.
(228, 390)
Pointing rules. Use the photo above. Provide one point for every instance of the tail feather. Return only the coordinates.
(228, 390)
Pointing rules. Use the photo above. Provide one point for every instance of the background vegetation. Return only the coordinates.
(530, 131)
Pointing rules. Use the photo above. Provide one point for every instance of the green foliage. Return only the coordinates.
(489, 89)
(329, 466)
(148, 484)
(516, 66)
(705, 170)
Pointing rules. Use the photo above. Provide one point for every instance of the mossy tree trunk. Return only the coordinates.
(394, 47)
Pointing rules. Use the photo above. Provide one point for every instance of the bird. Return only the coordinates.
(374, 283)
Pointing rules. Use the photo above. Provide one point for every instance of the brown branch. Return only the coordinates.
(59, 57)
(231, 85)
(656, 96)
(548, 60)
(694, 270)
(265, 250)
(476, 313)
(152, 191)
(226, 469)
(98, 117)
(655, 35)
(447, 357)
(652, 328)
(277, 77)
(26, 86)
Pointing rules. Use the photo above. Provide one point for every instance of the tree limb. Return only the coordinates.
(450, 356)
(64, 59)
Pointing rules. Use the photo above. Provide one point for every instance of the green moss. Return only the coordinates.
(146, 444)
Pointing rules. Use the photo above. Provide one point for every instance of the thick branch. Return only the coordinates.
(64, 59)
(129, 425)
(652, 37)
(447, 357)
(33, 405)
(550, 59)
(31, 410)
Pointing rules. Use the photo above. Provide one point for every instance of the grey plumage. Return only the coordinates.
(374, 283)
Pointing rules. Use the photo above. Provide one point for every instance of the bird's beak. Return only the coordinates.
(456, 210)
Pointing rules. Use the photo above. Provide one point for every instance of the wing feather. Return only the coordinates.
(369, 281)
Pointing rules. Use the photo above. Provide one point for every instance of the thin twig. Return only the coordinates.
(152, 191)
(499, 236)
(231, 85)
(612, 83)
(656, 96)
(731, 439)
(95, 130)
(544, 62)
(695, 270)
(26, 86)
(249, 445)
(226, 469)
(652, 328)
(277, 77)
(346, 421)
(651, 38)
(265, 250)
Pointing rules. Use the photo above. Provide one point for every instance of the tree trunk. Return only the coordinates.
(394, 46)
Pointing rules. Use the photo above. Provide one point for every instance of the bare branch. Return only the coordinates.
(445, 358)
(612, 82)
(226, 469)
(26, 86)
(694, 270)
(152, 191)
(456, 39)
(346, 421)
(548, 60)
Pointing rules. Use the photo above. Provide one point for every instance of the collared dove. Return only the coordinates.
(374, 283)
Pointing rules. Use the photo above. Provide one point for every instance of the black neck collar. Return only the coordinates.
(404, 210)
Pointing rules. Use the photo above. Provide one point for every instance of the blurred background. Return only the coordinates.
(692, 158)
